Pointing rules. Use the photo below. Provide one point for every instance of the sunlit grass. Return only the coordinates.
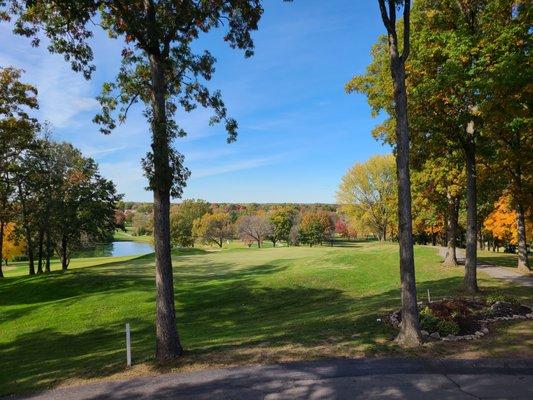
(233, 306)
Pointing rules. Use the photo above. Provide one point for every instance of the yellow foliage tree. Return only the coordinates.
(501, 222)
(12, 246)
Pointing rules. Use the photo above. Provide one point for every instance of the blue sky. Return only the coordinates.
(298, 131)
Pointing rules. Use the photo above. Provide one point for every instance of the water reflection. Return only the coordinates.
(116, 249)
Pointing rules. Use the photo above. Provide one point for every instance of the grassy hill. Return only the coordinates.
(234, 306)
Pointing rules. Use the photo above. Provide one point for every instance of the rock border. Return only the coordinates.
(394, 320)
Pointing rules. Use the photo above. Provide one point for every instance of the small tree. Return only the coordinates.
(254, 227)
(213, 228)
(142, 223)
(282, 219)
(368, 193)
(315, 227)
(182, 217)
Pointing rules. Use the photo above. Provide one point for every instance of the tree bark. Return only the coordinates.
(168, 344)
(48, 250)
(40, 252)
(409, 335)
(64, 253)
(470, 279)
(410, 331)
(523, 262)
(450, 258)
(27, 230)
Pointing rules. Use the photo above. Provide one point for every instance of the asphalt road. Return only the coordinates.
(393, 378)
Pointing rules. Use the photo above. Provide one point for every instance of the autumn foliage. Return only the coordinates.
(501, 222)
(12, 246)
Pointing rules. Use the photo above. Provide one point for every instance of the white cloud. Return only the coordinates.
(236, 166)
(63, 95)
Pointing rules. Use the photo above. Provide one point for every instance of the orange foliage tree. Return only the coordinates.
(12, 246)
(501, 222)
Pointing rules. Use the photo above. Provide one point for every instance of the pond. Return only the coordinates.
(116, 249)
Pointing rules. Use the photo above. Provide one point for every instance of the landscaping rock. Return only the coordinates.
(435, 335)
(451, 338)
(424, 333)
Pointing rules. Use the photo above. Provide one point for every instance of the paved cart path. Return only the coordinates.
(394, 378)
(504, 273)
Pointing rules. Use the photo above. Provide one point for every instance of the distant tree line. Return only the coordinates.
(53, 200)
(196, 221)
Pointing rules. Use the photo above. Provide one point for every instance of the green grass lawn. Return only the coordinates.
(127, 236)
(233, 306)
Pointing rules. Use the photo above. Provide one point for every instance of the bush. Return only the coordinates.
(467, 325)
(448, 327)
(498, 296)
(428, 321)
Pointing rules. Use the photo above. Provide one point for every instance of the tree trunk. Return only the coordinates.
(64, 253)
(450, 258)
(409, 335)
(470, 279)
(168, 344)
(40, 252)
(27, 230)
(523, 262)
(48, 250)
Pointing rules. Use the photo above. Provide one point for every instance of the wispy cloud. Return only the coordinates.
(238, 166)
(95, 151)
(63, 95)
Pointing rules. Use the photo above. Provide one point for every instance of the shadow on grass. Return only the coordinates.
(218, 317)
(504, 260)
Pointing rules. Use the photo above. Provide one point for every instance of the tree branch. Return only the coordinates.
(385, 16)
(406, 29)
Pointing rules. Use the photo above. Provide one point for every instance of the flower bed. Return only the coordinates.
(464, 319)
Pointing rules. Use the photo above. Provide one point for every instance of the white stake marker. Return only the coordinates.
(128, 345)
(429, 297)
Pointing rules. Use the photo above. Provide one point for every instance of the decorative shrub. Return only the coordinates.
(445, 308)
(428, 321)
(498, 296)
(467, 325)
(447, 327)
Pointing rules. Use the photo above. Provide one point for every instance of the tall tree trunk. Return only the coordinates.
(523, 262)
(1, 247)
(409, 335)
(27, 230)
(450, 258)
(48, 250)
(40, 252)
(410, 330)
(64, 253)
(470, 279)
(168, 344)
